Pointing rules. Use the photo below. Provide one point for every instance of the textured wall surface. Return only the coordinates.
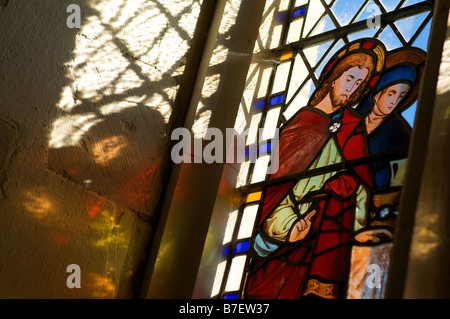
(84, 127)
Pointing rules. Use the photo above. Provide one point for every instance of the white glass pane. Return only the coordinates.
(260, 169)
(299, 3)
(230, 227)
(326, 24)
(336, 47)
(279, 83)
(264, 82)
(218, 279)
(270, 124)
(276, 36)
(242, 175)
(248, 221)
(314, 12)
(261, 43)
(284, 5)
(300, 100)
(299, 74)
(295, 29)
(271, 27)
(253, 129)
(315, 52)
(249, 92)
(235, 275)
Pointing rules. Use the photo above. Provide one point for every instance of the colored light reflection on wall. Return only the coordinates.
(108, 149)
(38, 204)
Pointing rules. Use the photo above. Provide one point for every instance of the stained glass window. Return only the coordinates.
(338, 81)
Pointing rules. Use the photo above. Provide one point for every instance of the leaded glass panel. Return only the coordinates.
(340, 86)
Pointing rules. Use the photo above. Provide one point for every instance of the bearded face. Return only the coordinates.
(345, 85)
(337, 100)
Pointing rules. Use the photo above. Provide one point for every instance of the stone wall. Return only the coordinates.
(85, 121)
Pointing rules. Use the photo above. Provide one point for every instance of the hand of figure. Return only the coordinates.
(301, 228)
(373, 235)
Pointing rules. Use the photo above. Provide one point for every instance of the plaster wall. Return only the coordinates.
(85, 121)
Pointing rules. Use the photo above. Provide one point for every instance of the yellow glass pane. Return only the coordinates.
(286, 55)
(355, 46)
(253, 197)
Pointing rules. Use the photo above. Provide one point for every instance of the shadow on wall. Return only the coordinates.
(93, 105)
(112, 130)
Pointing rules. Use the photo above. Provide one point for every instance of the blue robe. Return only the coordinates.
(391, 134)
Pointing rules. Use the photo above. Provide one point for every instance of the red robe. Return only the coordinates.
(317, 265)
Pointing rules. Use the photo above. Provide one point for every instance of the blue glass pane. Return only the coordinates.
(389, 39)
(369, 11)
(299, 12)
(422, 40)
(409, 26)
(345, 10)
(276, 100)
(241, 247)
(326, 24)
(264, 148)
(367, 33)
(336, 47)
(225, 251)
(280, 17)
(248, 152)
(411, 2)
(410, 114)
(235, 296)
(251, 152)
(260, 104)
(390, 5)
(314, 53)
